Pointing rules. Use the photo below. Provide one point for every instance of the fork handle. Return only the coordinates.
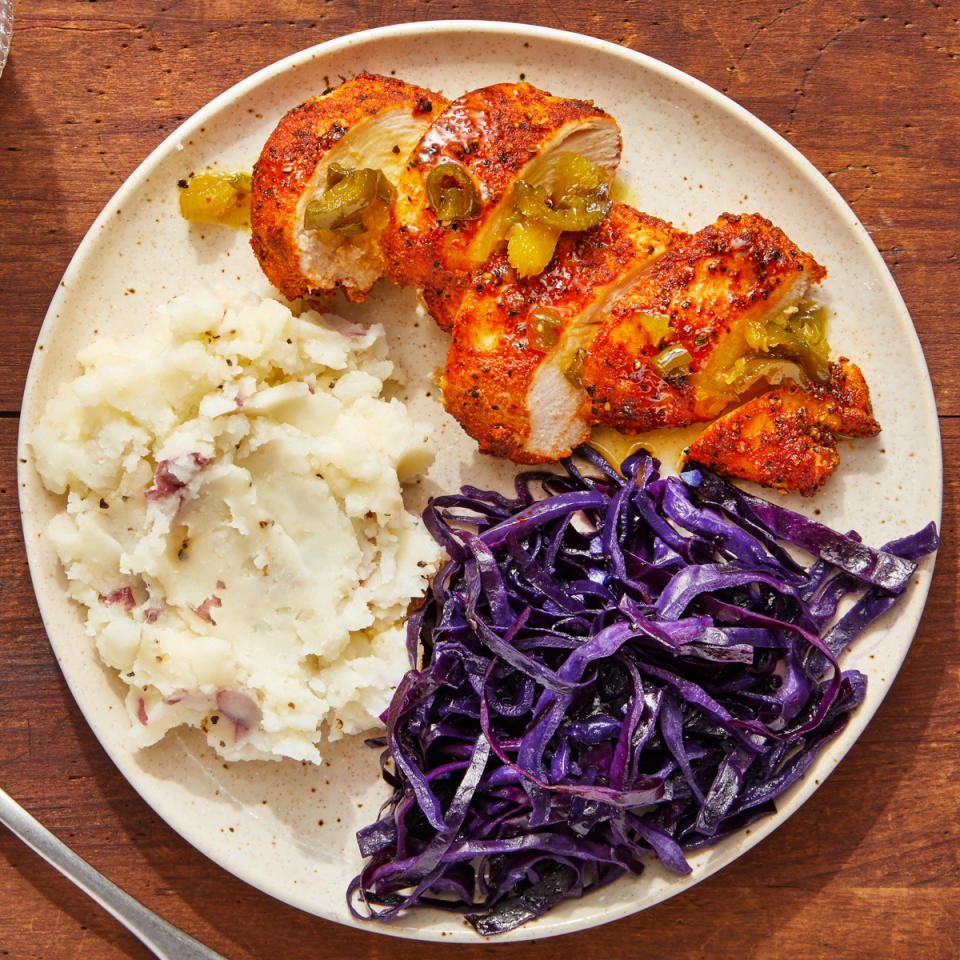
(165, 940)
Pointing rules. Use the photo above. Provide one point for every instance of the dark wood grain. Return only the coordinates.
(870, 866)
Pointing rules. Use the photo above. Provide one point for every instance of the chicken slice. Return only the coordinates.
(369, 123)
(786, 438)
(711, 318)
(479, 147)
(511, 373)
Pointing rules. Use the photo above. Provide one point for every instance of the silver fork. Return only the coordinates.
(164, 939)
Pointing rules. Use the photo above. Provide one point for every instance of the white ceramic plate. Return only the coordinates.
(689, 153)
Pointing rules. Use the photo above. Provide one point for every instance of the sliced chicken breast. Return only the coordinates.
(457, 197)
(710, 319)
(786, 438)
(511, 376)
(327, 152)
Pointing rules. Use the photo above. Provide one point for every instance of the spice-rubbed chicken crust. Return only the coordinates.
(367, 122)
(786, 438)
(496, 136)
(567, 310)
(510, 375)
(664, 355)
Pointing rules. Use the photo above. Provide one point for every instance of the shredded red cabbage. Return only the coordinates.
(631, 664)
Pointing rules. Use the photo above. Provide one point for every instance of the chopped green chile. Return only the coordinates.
(214, 196)
(452, 194)
(814, 365)
(349, 228)
(797, 334)
(574, 370)
(385, 189)
(671, 358)
(544, 327)
(576, 174)
(656, 326)
(746, 371)
(573, 211)
(348, 193)
(335, 173)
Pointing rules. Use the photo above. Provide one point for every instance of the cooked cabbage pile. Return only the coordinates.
(632, 664)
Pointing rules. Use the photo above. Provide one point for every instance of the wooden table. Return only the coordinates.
(869, 91)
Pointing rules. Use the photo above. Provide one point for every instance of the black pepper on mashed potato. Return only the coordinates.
(234, 522)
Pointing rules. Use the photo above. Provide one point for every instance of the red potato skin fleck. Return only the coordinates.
(203, 610)
(122, 595)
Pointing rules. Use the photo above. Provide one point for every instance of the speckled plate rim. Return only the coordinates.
(582, 915)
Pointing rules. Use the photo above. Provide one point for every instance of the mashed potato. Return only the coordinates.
(234, 524)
